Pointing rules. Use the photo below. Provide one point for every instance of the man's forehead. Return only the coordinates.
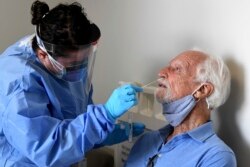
(189, 57)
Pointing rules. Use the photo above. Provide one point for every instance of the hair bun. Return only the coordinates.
(76, 7)
(38, 10)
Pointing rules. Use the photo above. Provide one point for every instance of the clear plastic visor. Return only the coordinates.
(70, 57)
(71, 63)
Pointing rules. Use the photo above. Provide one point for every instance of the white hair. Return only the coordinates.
(216, 72)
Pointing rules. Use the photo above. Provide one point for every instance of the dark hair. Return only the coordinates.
(65, 24)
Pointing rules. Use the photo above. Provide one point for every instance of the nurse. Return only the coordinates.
(47, 117)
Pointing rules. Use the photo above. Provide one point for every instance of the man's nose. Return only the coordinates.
(163, 73)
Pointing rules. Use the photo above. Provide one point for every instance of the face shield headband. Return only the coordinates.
(80, 66)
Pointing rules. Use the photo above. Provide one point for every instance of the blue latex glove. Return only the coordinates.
(121, 100)
(121, 133)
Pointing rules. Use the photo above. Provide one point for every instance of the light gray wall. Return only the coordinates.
(15, 19)
(139, 37)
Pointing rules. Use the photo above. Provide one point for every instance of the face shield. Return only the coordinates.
(71, 63)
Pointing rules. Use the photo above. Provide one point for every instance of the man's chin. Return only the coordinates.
(159, 95)
(162, 96)
(160, 100)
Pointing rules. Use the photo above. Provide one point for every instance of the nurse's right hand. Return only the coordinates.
(121, 100)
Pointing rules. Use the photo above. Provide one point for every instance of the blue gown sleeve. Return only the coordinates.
(47, 141)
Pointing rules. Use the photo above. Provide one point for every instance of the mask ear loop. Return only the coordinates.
(54, 63)
(196, 91)
(208, 106)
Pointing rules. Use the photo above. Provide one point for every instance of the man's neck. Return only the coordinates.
(196, 118)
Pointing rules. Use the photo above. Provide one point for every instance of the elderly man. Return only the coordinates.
(190, 88)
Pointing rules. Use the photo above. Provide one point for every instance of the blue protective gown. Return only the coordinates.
(43, 120)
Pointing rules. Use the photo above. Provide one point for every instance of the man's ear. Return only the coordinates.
(204, 91)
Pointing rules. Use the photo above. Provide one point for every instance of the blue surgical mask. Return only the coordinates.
(175, 112)
(75, 75)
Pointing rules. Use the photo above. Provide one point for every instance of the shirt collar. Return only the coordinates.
(202, 132)
(166, 131)
(199, 134)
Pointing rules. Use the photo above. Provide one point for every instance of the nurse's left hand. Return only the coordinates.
(121, 133)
